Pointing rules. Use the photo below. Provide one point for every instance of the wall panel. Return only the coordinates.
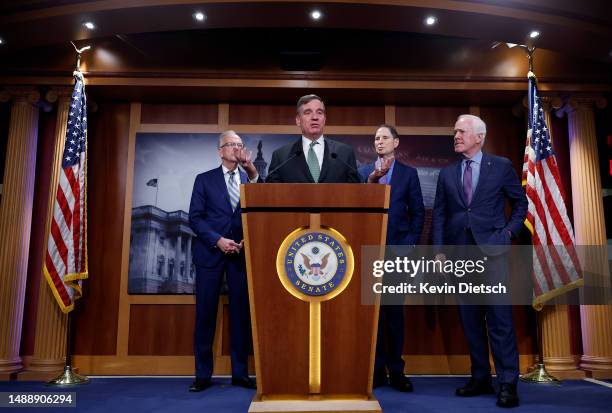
(97, 312)
(162, 326)
(174, 113)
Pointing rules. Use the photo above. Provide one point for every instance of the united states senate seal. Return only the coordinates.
(315, 264)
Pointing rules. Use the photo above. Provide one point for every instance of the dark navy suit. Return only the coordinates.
(211, 217)
(339, 165)
(405, 223)
(483, 223)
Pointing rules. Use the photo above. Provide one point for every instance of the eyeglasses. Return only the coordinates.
(232, 145)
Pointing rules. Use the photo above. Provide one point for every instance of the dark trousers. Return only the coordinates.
(389, 351)
(208, 287)
(484, 324)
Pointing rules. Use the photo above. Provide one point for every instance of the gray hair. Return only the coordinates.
(224, 134)
(478, 125)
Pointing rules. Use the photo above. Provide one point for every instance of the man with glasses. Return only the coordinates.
(313, 158)
(214, 216)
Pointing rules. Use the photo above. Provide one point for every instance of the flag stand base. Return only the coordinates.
(68, 378)
(540, 375)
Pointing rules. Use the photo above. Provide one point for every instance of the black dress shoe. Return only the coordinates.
(246, 382)
(199, 385)
(475, 387)
(400, 382)
(507, 396)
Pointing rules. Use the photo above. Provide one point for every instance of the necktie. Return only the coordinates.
(467, 181)
(232, 189)
(313, 162)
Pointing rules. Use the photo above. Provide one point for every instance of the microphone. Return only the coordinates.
(292, 157)
(335, 157)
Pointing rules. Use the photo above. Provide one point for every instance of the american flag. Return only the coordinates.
(66, 258)
(555, 262)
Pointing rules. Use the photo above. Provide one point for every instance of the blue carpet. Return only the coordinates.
(432, 394)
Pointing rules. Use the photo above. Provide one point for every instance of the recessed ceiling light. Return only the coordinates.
(430, 21)
(89, 25)
(316, 15)
(1, 40)
(534, 34)
(199, 16)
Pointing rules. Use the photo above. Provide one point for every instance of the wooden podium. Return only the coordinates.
(311, 357)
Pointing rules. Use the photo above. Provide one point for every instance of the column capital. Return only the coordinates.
(550, 101)
(27, 94)
(578, 101)
(58, 92)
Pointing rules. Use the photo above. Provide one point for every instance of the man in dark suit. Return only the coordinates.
(214, 216)
(405, 223)
(313, 158)
(469, 210)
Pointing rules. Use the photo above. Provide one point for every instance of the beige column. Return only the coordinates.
(50, 335)
(589, 226)
(556, 337)
(15, 222)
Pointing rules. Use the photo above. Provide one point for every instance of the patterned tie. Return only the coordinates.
(467, 181)
(232, 189)
(313, 162)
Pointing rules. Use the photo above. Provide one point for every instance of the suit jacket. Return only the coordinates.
(485, 217)
(406, 210)
(343, 169)
(211, 216)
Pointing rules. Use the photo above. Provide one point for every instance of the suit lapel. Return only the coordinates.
(486, 168)
(396, 178)
(326, 160)
(460, 183)
(222, 188)
(300, 161)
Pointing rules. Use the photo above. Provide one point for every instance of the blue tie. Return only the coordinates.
(232, 189)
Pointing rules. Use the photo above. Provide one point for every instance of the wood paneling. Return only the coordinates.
(285, 115)
(286, 329)
(174, 113)
(428, 116)
(346, 340)
(355, 115)
(44, 160)
(161, 330)
(97, 311)
(506, 134)
(5, 114)
(262, 115)
(275, 194)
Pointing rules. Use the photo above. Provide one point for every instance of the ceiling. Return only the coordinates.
(363, 41)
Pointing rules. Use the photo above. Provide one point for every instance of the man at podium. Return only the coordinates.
(313, 158)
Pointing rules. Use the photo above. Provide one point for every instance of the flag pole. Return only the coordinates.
(69, 377)
(538, 374)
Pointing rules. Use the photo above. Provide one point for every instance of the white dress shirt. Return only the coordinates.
(319, 149)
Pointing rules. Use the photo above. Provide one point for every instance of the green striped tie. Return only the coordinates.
(313, 162)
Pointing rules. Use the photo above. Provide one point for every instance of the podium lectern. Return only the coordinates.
(312, 352)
